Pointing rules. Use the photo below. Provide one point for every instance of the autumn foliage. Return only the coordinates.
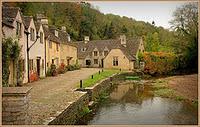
(159, 62)
(33, 76)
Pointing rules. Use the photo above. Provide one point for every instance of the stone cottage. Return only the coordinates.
(118, 53)
(36, 46)
(59, 48)
(13, 27)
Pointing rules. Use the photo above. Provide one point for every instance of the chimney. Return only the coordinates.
(42, 19)
(63, 28)
(68, 38)
(123, 40)
(86, 39)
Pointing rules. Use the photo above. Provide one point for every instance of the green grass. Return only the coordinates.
(160, 89)
(97, 77)
(132, 78)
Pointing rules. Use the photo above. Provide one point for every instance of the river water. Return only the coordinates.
(130, 104)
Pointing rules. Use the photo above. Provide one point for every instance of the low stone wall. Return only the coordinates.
(72, 113)
(15, 103)
(102, 86)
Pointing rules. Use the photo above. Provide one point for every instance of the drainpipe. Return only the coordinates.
(45, 54)
(28, 49)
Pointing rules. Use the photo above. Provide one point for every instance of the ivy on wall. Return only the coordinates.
(10, 52)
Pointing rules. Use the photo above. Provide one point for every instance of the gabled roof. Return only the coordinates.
(27, 21)
(37, 25)
(62, 36)
(130, 50)
(9, 14)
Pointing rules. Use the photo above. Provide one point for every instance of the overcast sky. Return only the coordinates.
(160, 12)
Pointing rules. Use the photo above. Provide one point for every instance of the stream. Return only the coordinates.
(131, 104)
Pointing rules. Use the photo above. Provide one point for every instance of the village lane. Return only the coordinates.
(51, 95)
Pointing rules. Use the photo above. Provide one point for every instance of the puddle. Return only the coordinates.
(131, 104)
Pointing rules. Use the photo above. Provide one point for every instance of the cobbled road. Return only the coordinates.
(51, 95)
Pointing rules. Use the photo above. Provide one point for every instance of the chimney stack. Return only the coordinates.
(42, 19)
(63, 28)
(123, 40)
(86, 39)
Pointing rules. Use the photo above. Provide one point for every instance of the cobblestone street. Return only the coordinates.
(53, 94)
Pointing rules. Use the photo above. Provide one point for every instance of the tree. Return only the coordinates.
(185, 24)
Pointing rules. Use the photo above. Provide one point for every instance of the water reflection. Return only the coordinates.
(134, 104)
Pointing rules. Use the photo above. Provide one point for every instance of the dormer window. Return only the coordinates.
(56, 33)
(83, 49)
(95, 53)
(105, 53)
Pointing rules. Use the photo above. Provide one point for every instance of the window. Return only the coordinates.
(95, 53)
(95, 61)
(105, 53)
(19, 29)
(31, 64)
(56, 33)
(41, 37)
(32, 34)
(115, 61)
(83, 49)
(50, 44)
(57, 47)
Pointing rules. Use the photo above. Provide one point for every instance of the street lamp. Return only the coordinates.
(28, 48)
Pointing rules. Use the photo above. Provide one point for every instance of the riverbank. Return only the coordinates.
(184, 87)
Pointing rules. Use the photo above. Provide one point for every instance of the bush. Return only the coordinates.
(52, 71)
(159, 63)
(33, 76)
(73, 67)
(61, 69)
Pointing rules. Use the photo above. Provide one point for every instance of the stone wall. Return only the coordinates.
(15, 103)
(102, 86)
(72, 113)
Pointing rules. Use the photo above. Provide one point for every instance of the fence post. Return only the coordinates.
(81, 83)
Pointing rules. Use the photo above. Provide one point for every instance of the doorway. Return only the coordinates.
(38, 67)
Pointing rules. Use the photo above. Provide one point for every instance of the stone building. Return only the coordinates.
(13, 27)
(36, 45)
(59, 48)
(118, 53)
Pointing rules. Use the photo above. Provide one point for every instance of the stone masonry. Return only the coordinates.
(15, 102)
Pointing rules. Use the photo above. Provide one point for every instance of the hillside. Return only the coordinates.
(83, 19)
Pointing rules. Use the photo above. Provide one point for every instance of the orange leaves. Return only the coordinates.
(33, 76)
(159, 62)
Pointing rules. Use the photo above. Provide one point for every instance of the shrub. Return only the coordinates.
(33, 76)
(61, 69)
(73, 67)
(52, 71)
(159, 63)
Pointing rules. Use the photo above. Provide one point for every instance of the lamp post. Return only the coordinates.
(28, 49)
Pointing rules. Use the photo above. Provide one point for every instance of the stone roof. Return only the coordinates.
(9, 14)
(27, 21)
(49, 32)
(129, 50)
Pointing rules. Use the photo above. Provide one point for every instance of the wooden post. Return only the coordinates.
(99, 72)
(81, 83)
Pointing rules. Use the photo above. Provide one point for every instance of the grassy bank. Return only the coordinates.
(160, 89)
(98, 77)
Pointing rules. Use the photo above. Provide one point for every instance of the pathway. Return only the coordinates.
(53, 94)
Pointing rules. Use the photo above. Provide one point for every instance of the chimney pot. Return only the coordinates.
(86, 39)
